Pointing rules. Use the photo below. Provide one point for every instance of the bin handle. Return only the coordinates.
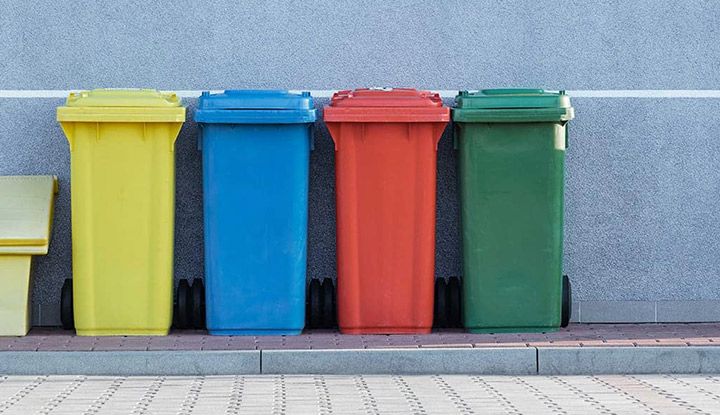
(312, 137)
(199, 137)
(454, 136)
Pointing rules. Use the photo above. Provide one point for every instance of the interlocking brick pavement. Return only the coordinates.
(576, 335)
(360, 394)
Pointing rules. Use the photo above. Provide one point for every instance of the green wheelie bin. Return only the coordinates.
(511, 146)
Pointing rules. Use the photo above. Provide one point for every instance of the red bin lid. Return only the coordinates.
(386, 105)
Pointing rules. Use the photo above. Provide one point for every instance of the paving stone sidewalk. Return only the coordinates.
(369, 394)
(576, 335)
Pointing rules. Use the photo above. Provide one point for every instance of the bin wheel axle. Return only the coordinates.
(197, 305)
(566, 301)
(448, 303)
(321, 305)
(189, 310)
(67, 316)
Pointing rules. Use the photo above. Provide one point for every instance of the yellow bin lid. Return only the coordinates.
(122, 105)
(26, 210)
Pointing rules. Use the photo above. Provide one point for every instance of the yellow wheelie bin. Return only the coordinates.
(122, 150)
(26, 211)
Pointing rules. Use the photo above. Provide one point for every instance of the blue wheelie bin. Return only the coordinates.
(255, 151)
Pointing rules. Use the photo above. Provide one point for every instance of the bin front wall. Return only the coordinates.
(385, 185)
(15, 286)
(123, 191)
(511, 188)
(256, 211)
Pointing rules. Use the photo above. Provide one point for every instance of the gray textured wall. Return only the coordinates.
(642, 188)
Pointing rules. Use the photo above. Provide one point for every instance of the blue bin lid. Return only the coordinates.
(255, 107)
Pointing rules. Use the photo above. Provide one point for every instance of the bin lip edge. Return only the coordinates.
(24, 250)
(21, 241)
(255, 116)
(386, 114)
(484, 115)
(121, 114)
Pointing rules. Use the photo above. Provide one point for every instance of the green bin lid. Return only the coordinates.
(512, 105)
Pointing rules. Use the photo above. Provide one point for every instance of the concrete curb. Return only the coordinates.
(628, 360)
(485, 361)
(135, 363)
(496, 361)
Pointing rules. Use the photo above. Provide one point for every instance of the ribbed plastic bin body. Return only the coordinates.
(26, 213)
(511, 154)
(122, 148)
(385, 167)
(255, 150)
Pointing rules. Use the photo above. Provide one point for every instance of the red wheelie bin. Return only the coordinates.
(385, 160)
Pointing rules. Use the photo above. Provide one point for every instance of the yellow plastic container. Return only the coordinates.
(122, 148)
(26, 211)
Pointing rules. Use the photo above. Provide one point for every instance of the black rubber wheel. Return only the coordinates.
(197, 309)
(182, 305)
(67, 317)
(334, 305)
(454, 303)
(314, 304)
(566, 301)
(440, 311)
(328, 303)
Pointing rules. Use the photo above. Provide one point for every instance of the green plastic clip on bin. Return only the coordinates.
(26, 211)
(511, 146)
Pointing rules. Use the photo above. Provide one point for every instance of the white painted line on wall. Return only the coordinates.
(646, 93)
(21, 93)
(448, 93)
